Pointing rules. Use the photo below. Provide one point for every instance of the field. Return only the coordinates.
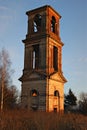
(25, 120)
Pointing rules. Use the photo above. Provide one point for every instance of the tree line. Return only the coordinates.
(9, 96)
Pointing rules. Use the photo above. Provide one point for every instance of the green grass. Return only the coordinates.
(25, 120)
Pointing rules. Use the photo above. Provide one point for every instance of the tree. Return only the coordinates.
(70, 99)
(4, 75)
(10, 97)
(6, 92)
(83, 103)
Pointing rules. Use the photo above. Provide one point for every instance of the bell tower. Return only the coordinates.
(42, 79)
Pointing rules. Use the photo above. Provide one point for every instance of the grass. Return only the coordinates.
(25, 120)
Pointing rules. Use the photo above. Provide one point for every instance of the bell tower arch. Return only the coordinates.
(42, 79)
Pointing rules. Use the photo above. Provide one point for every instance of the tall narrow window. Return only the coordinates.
(35, 56)
(37, 22)
(35, 27)
(53, 23)
(55, 58)
(33, 59)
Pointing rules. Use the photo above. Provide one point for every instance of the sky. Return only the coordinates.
(73, 33)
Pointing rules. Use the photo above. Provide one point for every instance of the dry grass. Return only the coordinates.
(25, 120)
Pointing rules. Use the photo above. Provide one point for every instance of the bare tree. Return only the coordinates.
(5, 79)
(3, 67)
(83, 103)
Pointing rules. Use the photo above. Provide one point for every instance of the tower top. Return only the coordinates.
(45, 7)
(43, 22)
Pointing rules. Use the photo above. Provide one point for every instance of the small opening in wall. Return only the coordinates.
(34, 93)
(53, 23)
(55, 109)
(56, 93)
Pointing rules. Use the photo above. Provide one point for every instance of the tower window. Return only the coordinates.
(35, 27)
(37, 22)
(55, 58)
(33, 59)
(35, 56)
(53, 23)
(34, 99)
(34, 93)
(56, 93)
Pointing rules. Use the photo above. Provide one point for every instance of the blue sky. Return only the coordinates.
(73, 32)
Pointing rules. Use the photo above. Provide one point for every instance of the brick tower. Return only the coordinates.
(42, 79)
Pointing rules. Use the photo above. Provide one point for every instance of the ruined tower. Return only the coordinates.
(42, 79)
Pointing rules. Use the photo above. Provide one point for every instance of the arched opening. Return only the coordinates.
(34, 99)
(56, 93)
(53, 23)
(57, 101)
(34, 93)
(37, 22)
